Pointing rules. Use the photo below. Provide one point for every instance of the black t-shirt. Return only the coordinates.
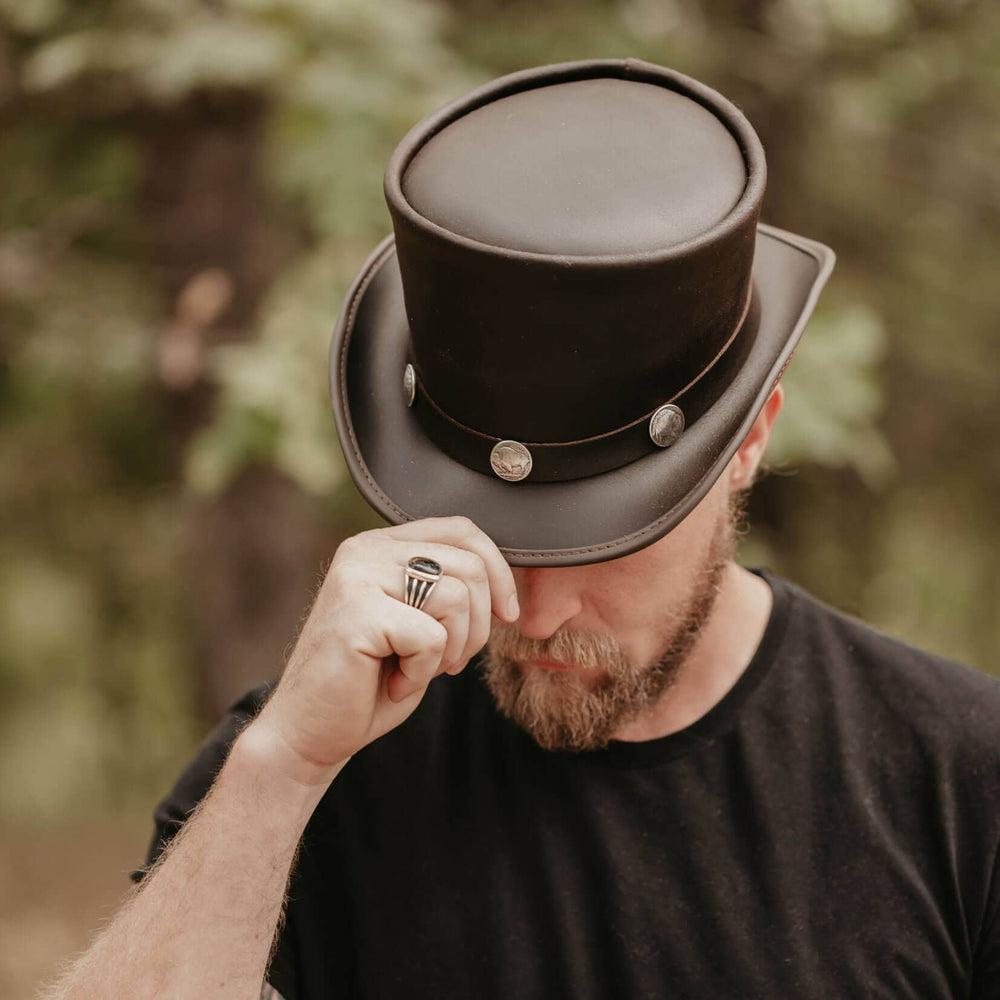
(828, 829)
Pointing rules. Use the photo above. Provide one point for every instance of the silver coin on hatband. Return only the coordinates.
(666, 425)
(409, 384)
(510, 460)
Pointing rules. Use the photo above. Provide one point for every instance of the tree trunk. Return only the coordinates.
(253, 553)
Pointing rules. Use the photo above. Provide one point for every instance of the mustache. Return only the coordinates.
(582, 648)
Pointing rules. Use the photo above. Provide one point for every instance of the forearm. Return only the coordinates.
(203, 921)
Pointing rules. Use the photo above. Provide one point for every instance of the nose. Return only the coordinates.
(548, 599)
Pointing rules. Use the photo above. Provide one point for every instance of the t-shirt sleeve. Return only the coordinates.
(192, 785)
(199, 774)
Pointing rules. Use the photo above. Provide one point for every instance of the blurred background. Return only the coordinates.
(188, 189)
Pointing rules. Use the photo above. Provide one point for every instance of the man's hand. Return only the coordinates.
(364, 658)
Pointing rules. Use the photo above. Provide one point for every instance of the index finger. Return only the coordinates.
(464, 533)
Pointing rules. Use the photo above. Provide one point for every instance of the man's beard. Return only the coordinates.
(560, 710)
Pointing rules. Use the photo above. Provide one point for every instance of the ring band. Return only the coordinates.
(422, 575)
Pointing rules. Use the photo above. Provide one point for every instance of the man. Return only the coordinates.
(665, 775)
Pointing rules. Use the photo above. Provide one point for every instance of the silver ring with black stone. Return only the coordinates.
(422, 575)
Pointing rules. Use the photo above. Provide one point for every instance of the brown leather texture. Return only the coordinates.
(592, 167)
(505, 339)
(574, 245)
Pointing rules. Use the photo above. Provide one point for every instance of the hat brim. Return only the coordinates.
(404, 476)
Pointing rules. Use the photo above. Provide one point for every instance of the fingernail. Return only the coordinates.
(513, 608)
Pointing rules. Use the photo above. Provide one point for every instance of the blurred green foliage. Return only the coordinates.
(880, 121)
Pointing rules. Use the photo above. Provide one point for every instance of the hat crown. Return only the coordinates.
(589, 167)
(575, 246)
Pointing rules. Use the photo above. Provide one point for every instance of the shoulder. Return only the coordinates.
(880, 657)
(895, 680)
(915, 732)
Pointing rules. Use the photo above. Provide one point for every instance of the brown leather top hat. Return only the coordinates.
(578, 316)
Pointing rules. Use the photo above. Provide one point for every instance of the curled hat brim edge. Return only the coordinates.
(404, 476)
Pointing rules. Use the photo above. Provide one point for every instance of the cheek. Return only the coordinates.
(661, 570)
(680, 553)
(638, 589)
(628, 599)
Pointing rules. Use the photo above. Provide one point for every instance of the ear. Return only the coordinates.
(744, 464)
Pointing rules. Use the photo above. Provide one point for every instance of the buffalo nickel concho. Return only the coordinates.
(510, 460)
(409, 384)
(666, 425)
